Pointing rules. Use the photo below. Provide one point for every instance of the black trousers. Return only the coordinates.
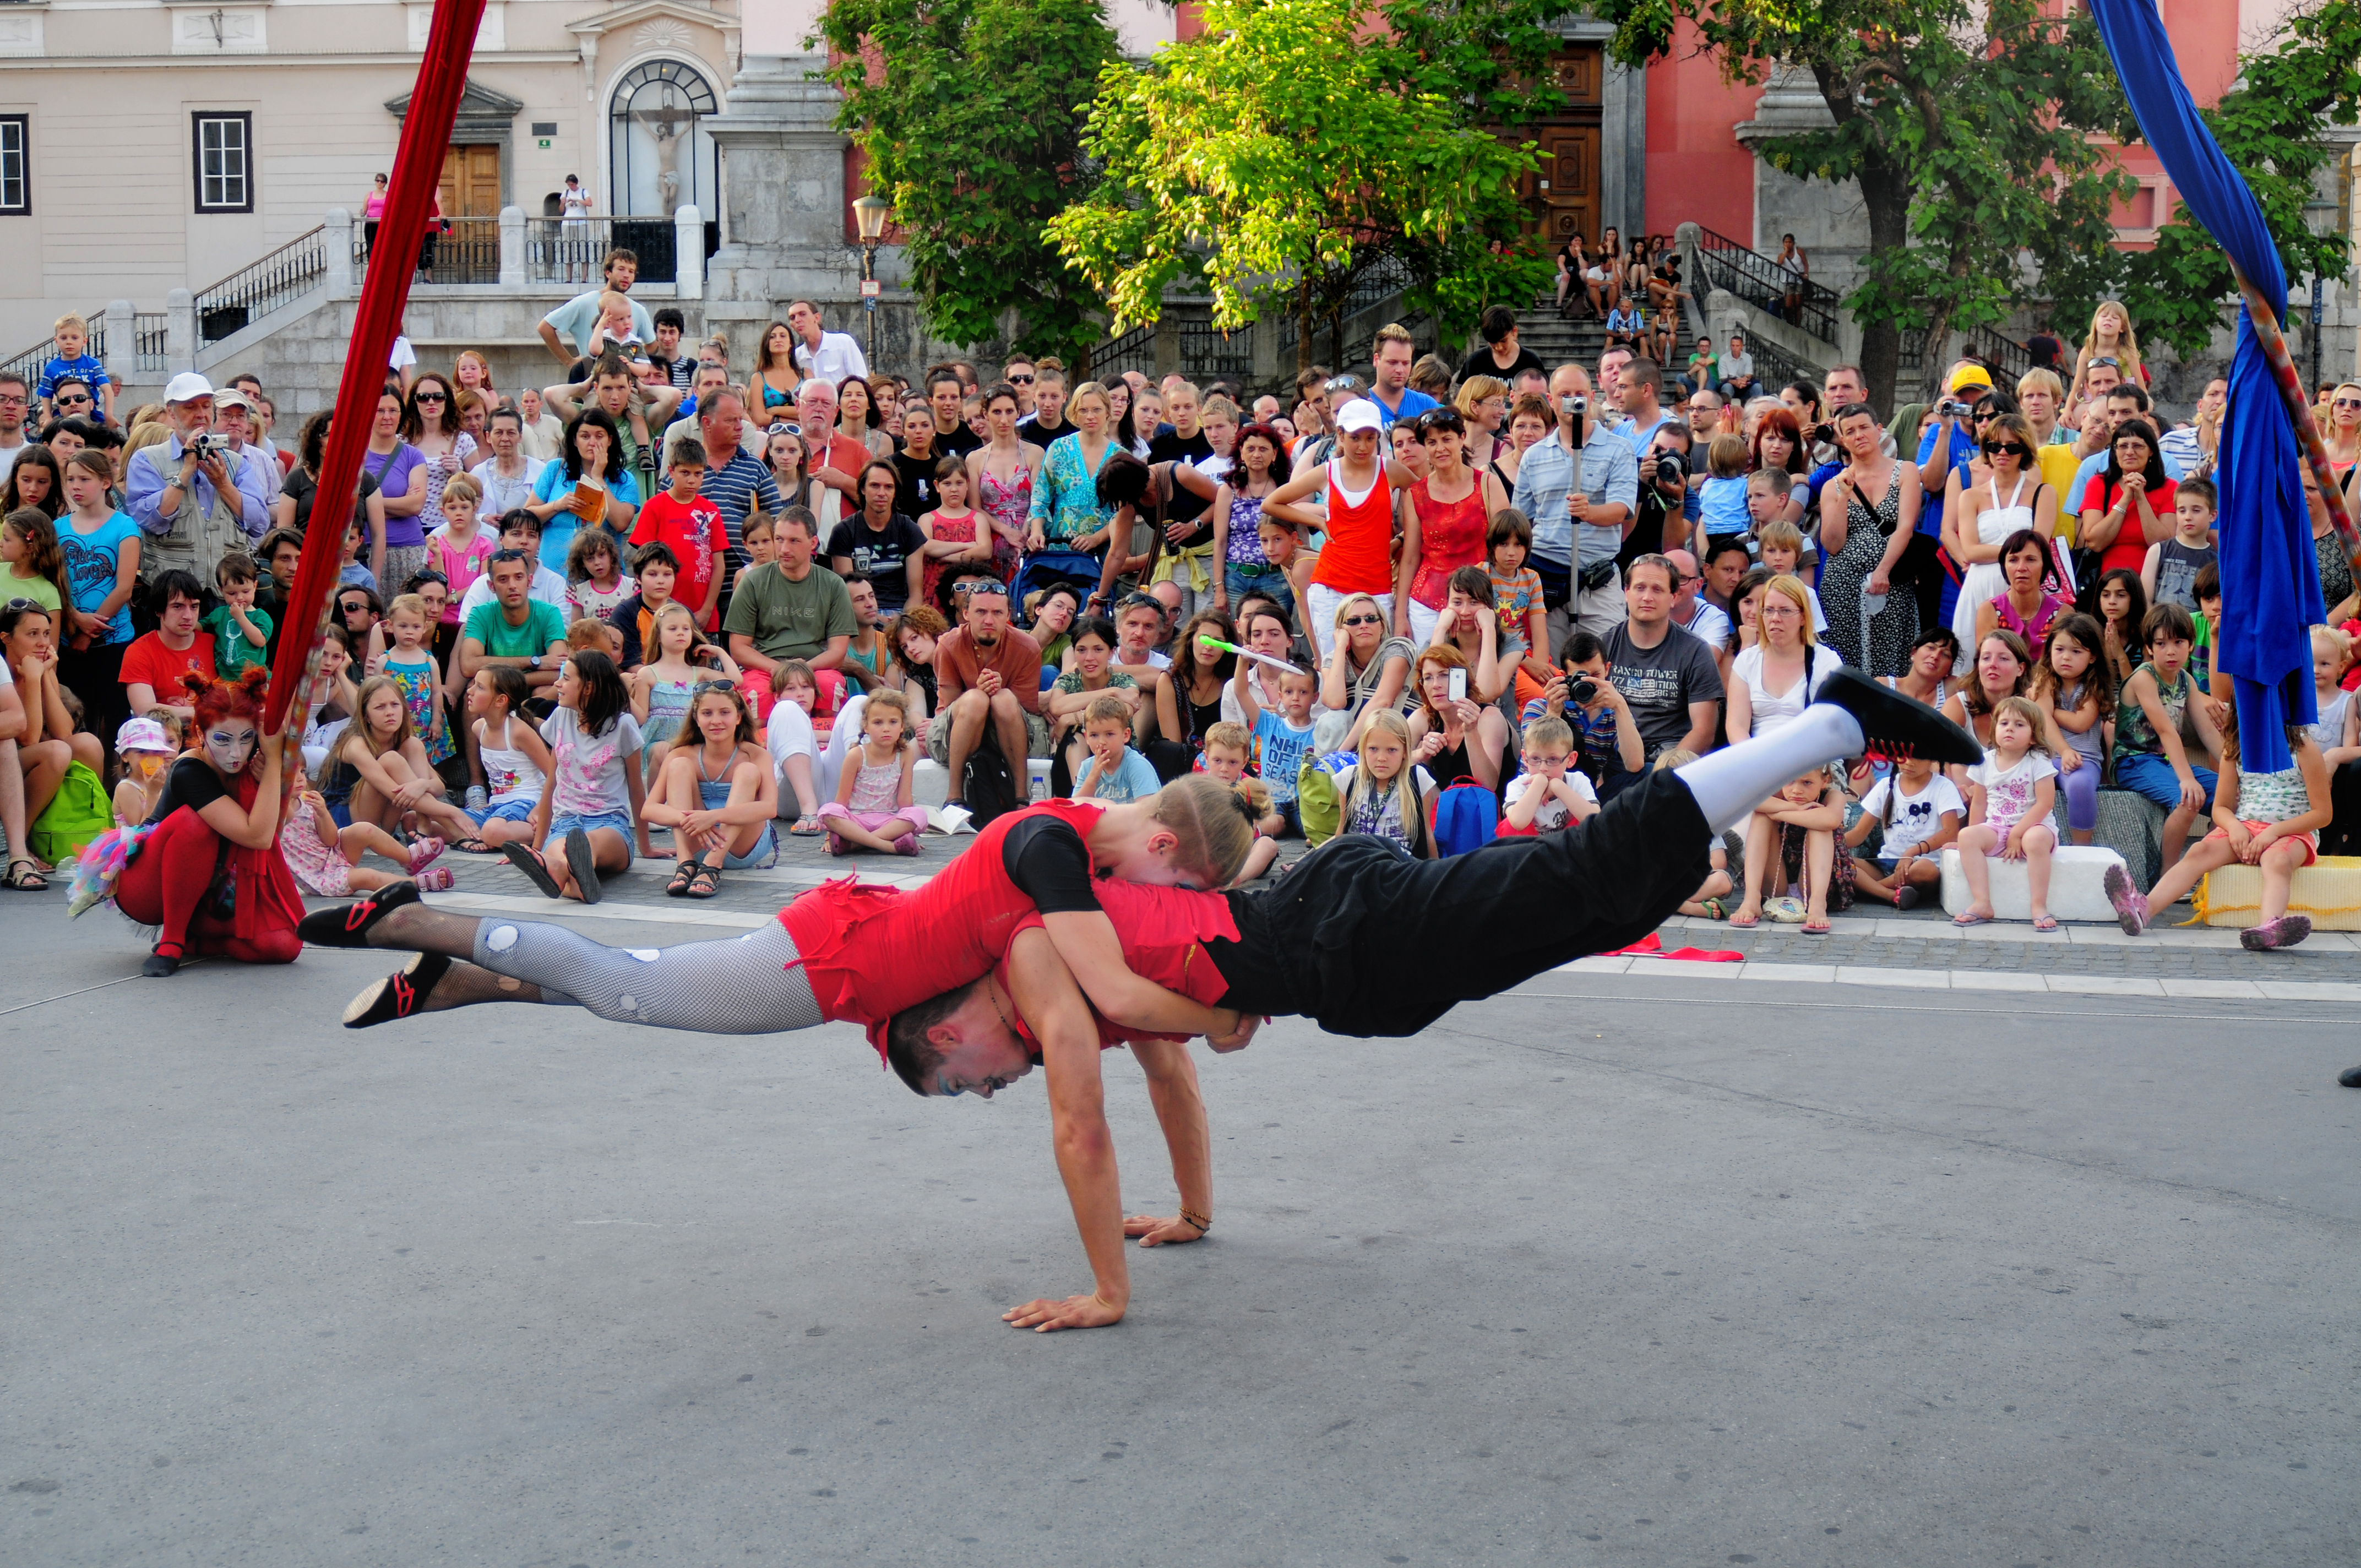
(1367, 941)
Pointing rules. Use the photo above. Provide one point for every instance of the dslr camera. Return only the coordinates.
(1671, 469)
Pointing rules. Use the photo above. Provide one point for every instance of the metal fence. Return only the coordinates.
(1134, 350)
(1775, 366)
(146, 329)
(1763, 283)
(2007, 359)
(1206, 351)
(254, 292)
(571, 250)
(468, 251)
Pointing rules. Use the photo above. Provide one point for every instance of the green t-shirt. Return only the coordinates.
(42, 592)
(233, 654)
(790, 619)
(544, 624)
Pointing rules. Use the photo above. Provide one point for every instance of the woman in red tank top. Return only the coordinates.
(1355, 509)
(1443, 519)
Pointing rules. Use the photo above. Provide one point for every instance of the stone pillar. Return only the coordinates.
(122, 342)
(336, 239)
(513, 247)
(689, 252)
(179, 332)
(1624, 149)
(782, 201)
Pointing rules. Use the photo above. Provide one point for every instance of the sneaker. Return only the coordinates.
(1898, 727)
(476, 799)
(2284, 932)
(2131, 909)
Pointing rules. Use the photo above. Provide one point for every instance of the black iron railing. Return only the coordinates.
(1774, 367)
(1763, 283)
(1134, 350)
(254, 292)
(2007, 359)
(1377, 284)
(1207, 351)
(468, 251)
(570, 250)
(148, 356)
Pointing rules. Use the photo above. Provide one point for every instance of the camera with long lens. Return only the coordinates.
(1671, 469)
(1582, 692)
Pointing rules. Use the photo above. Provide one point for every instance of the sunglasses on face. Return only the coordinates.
(73, 397)
(2346, 403)
(1020, 381)
(1364, 620)
(2009, 448)
(354, 607)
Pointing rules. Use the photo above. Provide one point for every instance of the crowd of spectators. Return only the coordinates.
(666, 610)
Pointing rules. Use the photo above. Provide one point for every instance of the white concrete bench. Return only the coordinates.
(2076, 893)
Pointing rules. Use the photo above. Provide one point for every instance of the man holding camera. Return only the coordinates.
(192, 496)
(1578, 489)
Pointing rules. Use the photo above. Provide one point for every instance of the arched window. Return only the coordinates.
(663, 159)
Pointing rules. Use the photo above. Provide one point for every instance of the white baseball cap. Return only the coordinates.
(187, 387)
(141, 735)
(1360, 414)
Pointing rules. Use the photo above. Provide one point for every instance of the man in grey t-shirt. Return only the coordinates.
(1668, 676)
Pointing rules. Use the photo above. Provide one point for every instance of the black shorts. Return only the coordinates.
(1367, 941)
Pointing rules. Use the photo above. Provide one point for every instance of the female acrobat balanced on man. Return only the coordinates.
(1070, 926)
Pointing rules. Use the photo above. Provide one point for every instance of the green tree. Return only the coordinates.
(2268, 125)
(1296, 146)
(971, 113)
(1964, 126)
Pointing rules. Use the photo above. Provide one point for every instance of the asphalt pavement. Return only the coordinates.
(1632, 1267)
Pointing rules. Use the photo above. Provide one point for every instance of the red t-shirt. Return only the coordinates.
(1164, 931)
(693, 532)
(870, 951)
(2129, 552)
(148, 662)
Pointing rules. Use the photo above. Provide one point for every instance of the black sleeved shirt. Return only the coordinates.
(1048, 861)
(193, 783)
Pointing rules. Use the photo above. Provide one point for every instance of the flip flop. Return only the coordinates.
(2047, 923)
(1821, 930)
(583, 861)
(472, 847)
(806, 828)
(1971, 918)
(525, 861)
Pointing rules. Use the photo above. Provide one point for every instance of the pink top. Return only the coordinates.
(2049, 610)
(373, 208)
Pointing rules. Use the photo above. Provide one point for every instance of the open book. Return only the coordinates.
(948, 819)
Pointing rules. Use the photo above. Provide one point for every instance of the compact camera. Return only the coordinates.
(1574, 405)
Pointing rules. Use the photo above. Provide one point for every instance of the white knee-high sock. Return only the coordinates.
(1729, 782)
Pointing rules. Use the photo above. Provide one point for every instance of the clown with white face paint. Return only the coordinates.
(205, 868)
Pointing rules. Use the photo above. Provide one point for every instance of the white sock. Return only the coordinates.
(1729, 782)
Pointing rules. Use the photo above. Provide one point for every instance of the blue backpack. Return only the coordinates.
(1466, 816)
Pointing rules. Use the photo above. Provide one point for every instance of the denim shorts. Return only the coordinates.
(2148, 774)
(764, 854)
(500, 811)
(619, 821)
(1290, 814)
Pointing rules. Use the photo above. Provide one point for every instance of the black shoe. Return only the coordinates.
(525, 861)
(2350, 1077)
(583, 861)
(398, 994)
(160, 965)
(1898, 727)
(350, 926)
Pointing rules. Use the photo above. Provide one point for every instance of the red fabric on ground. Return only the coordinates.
(1648, 947)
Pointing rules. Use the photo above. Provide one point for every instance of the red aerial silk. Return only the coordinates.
(417, 174)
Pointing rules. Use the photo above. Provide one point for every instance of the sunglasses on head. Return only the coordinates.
(1341, 384)
(961, 590)
(719, 684)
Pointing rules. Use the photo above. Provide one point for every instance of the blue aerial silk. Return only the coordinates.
(2271, 578)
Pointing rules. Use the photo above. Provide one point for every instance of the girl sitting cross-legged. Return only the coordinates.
(875, 806)
(717, 793)
(1920, 811)
(381, 768)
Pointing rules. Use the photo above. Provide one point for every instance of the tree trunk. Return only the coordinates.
(1885, 193)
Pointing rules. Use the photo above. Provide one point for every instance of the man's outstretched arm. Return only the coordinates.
(1052, 1005)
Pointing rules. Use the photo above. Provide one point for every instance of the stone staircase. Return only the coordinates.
(1560, 340)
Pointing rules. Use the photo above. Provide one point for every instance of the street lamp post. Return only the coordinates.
(871, 211)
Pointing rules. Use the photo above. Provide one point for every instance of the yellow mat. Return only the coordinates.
(2329, 890)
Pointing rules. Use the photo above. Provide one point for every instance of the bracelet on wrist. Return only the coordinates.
(1205, 1222)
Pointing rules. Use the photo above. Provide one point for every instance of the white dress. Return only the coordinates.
(1773, 712)
(1985, 581)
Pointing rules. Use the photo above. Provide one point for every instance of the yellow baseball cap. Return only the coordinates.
(1968, 376)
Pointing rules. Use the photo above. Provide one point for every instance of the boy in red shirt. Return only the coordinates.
(690, 527)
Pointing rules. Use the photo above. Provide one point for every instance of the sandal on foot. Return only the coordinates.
(525, 861)
(472, 847)
(24, 876)
(350, 926)
(681, 878)
(424, 853)
(1970, 917)
(2284, 932)
(398, 994)
(706, 882)
(1818, 928)
(583, 861)
(437, 879)
(806, 828)
(2046, 923)
(1714, 908)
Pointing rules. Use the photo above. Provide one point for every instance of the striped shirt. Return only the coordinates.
(737, 488)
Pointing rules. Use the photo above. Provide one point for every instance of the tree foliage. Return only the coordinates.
(2268, 125)
(1964, 125)
(1296, 146)
(971, 113)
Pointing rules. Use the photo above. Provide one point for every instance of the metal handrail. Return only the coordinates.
(1134, 350)
(467, 251)
(2006, 356)
(1763, 283)
(569, 250)
(148, 351)
(261, 287)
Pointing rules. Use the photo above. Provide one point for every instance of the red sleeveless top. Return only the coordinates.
(1358, 556)
(870, 950)
(1450, 535)
(1164, 931)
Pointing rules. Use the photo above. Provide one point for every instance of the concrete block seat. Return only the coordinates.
(930, 782)
(2328, 890)
(2076, 874)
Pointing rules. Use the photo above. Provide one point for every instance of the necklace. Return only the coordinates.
(992, 989)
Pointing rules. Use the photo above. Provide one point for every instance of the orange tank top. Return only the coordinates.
(1358, 556)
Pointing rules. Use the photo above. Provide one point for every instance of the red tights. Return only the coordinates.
(165, 885)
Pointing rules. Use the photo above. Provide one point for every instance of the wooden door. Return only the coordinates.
(1567, 200)
(471, 182)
